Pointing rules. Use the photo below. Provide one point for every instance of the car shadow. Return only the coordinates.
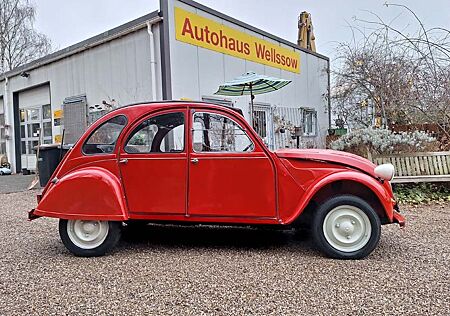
(210, 236)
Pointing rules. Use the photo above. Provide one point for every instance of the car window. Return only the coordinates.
(217, 133)
(103, 139)
(160, 134)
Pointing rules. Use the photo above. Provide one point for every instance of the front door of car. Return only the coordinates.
(153, 165)
(230, 175)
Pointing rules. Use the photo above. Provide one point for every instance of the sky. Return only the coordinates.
(70, 21)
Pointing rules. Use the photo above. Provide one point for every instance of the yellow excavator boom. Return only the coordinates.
(306, 38)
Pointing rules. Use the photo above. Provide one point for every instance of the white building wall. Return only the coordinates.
(198, 72)
(118, 70)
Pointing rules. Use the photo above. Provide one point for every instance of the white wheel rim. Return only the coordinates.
(87, 234)
(347, 228)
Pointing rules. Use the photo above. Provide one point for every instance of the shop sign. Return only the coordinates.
(194, 29)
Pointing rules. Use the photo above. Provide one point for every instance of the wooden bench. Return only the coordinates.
(418, 167)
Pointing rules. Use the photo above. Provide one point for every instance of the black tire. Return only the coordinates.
(112, 238)
(319, 233)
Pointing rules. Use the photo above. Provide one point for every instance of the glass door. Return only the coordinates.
(30, 124)
(34, 121)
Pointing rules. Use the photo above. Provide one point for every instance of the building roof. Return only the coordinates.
(133, 26)
(84, 45)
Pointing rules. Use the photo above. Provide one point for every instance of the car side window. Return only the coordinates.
(160, 134)
(103, 139)
(217, 133)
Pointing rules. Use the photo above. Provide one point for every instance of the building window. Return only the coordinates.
(46, 126)
(309, 122)
(217, 133)
(35, 123)
(260, 122)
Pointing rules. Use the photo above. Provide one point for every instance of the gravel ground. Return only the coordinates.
(15, 183)
(222, 271)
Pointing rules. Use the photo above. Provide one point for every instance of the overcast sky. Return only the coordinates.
(70, 21)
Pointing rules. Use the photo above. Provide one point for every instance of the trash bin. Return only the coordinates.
(49, 158)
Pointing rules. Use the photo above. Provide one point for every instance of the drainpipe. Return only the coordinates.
(152, 55)
(329, 95)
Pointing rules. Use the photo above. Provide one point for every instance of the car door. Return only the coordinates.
(153, 164)
(229, 173)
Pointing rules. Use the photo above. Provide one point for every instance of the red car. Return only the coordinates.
(189, 162)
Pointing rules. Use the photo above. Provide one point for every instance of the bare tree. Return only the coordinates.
(396, 77)
(20, 43)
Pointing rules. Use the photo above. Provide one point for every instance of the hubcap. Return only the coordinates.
(87, 234)
(347, 228)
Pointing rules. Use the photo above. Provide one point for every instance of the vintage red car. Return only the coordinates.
(192, 162)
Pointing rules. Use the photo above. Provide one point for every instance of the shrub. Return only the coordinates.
(368, 141)
(422, 193)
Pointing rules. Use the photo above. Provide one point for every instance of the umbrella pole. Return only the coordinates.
(251, 106)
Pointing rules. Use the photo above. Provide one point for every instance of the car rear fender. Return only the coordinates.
(90, 193)
(372, 184)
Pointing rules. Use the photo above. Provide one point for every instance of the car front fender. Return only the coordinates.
(90, 193)
(372, 184)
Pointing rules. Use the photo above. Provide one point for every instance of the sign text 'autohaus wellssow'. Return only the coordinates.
(196, 30)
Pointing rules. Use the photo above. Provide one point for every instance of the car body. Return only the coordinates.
(193, 162)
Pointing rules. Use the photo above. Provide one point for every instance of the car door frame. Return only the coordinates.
(259, 149)
(122, 155)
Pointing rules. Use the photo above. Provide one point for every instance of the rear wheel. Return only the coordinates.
(346, 227)
(86, 238)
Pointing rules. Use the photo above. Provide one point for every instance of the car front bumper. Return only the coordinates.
(399, 219)
(32, 216)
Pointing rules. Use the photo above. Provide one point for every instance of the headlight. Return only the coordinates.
(385, 171)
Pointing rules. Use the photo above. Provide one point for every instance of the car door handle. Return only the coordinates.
(124, 161)
(194, 160)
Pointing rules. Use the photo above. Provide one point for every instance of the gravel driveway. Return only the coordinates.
(221, 271)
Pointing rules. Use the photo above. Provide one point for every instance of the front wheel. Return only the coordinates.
(86, 238)
(346, 227)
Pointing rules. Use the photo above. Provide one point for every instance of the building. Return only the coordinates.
(183, 51)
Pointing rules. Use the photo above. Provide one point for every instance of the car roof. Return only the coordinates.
(172, 102)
